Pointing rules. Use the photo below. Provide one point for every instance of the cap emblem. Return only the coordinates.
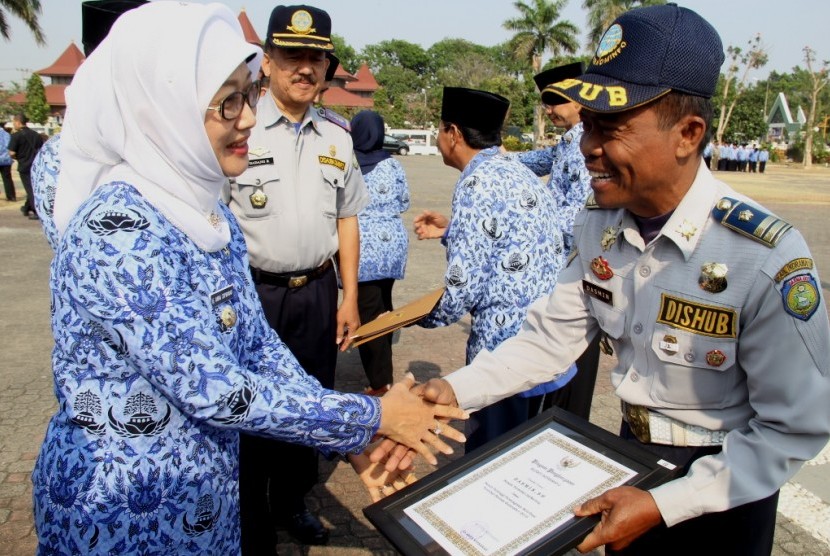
(301, 23)
(610, 45)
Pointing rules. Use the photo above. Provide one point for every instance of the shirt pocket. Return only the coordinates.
(255, 192)
(611, 320)
(695, 370)
(335, 180)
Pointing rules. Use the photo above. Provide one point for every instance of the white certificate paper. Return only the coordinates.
(516, 499)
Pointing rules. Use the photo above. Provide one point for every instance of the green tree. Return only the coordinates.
(397, 53)
(748, 122)
(739, 61)
(28, 11)
(345, 53)
(37, 110)
(818, 81)
(538, 31)
(602, 13)
(8, 109)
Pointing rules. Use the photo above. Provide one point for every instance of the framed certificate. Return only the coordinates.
(515, 494)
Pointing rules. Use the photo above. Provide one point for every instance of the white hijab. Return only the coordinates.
(136, 111)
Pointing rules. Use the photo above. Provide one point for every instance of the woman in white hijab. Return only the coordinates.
(162, 353)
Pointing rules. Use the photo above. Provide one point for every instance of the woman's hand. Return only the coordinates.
(377, 480)
(409, 419)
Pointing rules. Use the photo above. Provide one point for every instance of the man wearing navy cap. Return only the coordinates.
(504, 246)
(297, 205)
(712, 305)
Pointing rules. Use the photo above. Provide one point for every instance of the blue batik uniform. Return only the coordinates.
(162, 355)
(45, 170)
(384, 241)
(504, 250)
(569, 180)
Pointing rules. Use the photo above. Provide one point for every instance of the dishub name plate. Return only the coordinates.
(515, 495)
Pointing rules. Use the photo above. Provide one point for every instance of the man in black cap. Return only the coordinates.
(297, 205)
(97, 17)
(704, 295)
(504, 246)
(570, 184)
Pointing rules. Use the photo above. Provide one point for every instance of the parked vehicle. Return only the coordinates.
(394, 145)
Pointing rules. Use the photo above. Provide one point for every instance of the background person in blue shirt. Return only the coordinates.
(6, 165)
(504, 246)
(384, 241)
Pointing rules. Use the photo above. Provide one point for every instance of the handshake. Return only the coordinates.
(414, 418)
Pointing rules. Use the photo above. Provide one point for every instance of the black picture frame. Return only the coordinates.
(410, 539)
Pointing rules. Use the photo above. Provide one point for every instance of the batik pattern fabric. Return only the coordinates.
(45, 170)
(384, 241)
(162, 356)
(569, 180)
(504, 250)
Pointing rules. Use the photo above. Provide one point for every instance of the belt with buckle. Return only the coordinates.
(290, 279)
(655, 428)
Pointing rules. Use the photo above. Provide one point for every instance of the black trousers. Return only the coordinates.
(373, 298)
(26, 178)
(746, 530)
(8, 183)
(762, 165)
(275, 476)
(576, 396)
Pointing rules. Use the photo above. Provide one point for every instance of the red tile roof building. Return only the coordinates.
(352, 91)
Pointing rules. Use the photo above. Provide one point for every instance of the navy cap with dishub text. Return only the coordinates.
(643, 55)
(554, 75)
(300, 27)
(475, 109)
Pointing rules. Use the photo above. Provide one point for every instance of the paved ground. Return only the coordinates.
(27, 401)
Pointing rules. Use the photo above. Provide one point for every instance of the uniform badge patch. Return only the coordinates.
(715, 358)
(713, 277)
(801, 296)
(228, 317)
(709, 320)
(669, 344)
(792, 266)
(597, 292)
(601, 269)
(339, 164)
(609, 237)
(687, 230)
(258, 199)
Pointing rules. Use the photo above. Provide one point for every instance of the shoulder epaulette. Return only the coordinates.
(750, 221)
(591, 203)
(335, 118)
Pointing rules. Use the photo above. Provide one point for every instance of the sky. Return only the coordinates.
(785, 27)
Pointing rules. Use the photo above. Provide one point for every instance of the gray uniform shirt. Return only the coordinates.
(770, 389)
(307, 179)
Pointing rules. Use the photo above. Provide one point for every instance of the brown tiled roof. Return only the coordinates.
(365, 80)
(248, 29)
(337, 96)
(343, 74)
(55, 97)
(67, 63)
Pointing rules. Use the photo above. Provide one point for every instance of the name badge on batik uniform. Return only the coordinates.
(220, 296)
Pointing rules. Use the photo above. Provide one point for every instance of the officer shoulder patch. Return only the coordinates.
(335, 118)
(591, 202)
(801, 296)
(750, 221)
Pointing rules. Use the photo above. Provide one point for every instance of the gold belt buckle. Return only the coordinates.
(297, 281)
(637, 418)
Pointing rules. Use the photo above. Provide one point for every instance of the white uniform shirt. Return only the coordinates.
(309, 179)
(770, 392)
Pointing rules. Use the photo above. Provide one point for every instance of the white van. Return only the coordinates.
(420, 141)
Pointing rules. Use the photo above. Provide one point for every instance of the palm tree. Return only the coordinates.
(28, 11)
(538, 30)
(602, 13)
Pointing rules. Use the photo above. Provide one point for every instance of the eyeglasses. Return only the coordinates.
(231, 106)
